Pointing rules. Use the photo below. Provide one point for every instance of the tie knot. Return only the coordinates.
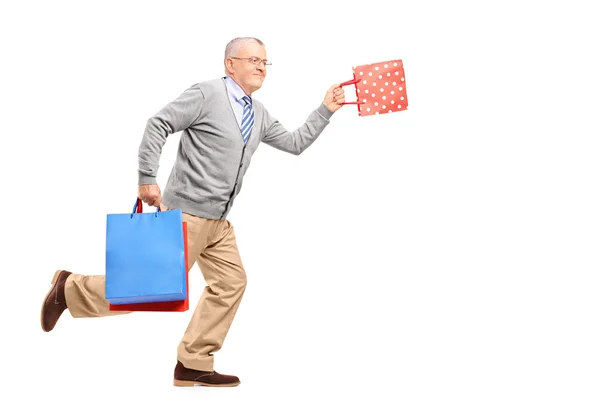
(247, 100)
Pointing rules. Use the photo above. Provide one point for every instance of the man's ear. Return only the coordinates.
(229, 65)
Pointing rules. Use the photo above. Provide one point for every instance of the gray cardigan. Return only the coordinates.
(212, 157)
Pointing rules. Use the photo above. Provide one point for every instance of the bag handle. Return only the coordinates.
(139, 207)
(350, 82)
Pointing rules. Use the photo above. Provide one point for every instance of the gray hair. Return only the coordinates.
(234, 46)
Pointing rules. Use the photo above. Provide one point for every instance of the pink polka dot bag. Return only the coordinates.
(380, 88)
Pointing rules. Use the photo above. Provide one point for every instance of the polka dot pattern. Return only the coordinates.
(382, 88)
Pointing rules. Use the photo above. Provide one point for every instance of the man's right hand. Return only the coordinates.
(150, 194)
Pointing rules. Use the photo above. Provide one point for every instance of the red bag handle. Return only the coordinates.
(138, 207)
(350, 82)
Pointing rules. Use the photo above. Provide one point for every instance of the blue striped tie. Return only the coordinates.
(247, 119)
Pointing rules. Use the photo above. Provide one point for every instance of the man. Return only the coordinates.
(221, 125)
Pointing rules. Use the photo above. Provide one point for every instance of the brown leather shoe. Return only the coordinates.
(191, 377)
(55, 302)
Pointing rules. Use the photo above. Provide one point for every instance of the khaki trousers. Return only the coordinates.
(211, 244)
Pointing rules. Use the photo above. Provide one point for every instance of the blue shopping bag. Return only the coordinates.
(145, 257)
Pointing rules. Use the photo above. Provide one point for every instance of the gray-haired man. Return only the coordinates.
(222, 126)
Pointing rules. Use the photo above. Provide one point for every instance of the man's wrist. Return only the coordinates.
(325, 111)
(144, 179)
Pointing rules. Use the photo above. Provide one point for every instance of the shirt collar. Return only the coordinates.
(235, 90)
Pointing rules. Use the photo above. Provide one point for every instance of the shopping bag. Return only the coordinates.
(171, 306)
(146, 261)
(380, 88)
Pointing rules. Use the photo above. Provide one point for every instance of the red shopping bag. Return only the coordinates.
(167, 306)
(380, 88)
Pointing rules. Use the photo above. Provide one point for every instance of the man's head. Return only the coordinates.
(246, 63)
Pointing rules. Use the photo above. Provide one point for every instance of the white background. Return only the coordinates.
(449, 251)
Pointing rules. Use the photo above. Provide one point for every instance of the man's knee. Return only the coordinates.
(233, 283)
(240, 281)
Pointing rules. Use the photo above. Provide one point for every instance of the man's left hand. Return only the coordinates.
(334, 98)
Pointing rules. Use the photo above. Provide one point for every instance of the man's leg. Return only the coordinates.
(224, 274)
(84, 295)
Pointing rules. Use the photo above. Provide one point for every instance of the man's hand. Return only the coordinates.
(150, 194)
(334, 98)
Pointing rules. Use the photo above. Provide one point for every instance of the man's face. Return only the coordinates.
(248, 75)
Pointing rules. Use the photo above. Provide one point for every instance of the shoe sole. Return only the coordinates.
(179, 383)
(53, 283)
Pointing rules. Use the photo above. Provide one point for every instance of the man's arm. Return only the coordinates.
(299, 140)
(176, 116)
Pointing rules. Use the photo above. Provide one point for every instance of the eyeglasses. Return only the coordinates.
(255, 60)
